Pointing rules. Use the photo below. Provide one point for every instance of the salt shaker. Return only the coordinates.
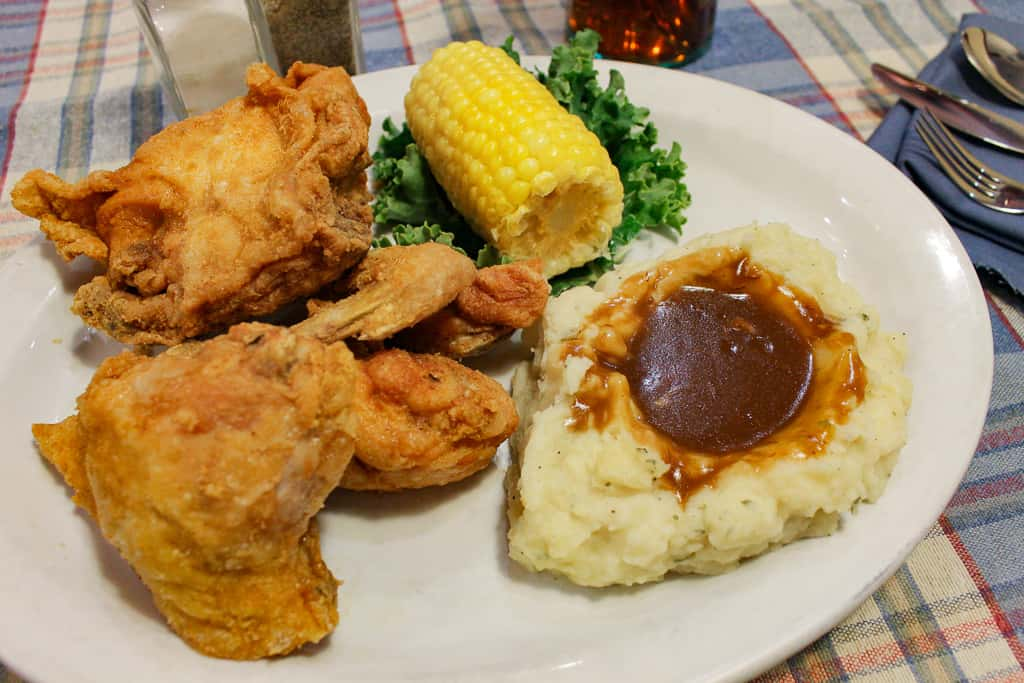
(202, 47)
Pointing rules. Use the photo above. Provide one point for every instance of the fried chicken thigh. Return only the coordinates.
(221, 217)
(204, 467)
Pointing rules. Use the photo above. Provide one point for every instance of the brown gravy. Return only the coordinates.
(717, 371)
(711, 359)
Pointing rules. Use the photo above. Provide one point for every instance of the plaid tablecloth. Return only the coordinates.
(77, 90)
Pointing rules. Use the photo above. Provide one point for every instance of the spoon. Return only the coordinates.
(997, 60)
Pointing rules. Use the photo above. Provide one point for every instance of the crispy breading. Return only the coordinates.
(424, 420)
(500, 300)
(391, 289)
(513, 295)
(63, 444)
(204, 468)
(221, 217)
(450, 334)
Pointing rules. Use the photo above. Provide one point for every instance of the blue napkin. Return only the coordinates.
(994, 240)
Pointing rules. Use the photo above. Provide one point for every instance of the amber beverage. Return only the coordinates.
(666, 32)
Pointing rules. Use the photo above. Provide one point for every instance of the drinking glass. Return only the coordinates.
(663, 32)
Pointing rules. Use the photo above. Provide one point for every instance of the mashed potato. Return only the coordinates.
(591, 503)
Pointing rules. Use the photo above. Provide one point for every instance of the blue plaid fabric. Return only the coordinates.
(77, 91)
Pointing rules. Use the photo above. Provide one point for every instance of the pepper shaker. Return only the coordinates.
(319, 31)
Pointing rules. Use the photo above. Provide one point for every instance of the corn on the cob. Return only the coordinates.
(527, 175)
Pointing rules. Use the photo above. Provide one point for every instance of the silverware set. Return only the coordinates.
(982, 184)
(1000, 63)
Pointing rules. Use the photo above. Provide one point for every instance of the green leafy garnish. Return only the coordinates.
(587, 274)
(407, 193)
(490, 256)
(510, 51)
(409, 199)
(411, 202)
(404, 234)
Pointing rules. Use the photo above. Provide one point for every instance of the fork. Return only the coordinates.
(982, 184)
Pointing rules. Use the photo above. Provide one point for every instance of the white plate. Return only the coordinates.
(429, 593)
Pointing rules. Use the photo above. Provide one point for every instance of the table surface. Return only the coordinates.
(77, 90)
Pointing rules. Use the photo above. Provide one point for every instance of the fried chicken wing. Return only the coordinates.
(424, 420)
(204, 468)
(221, 217)
(500, 300)
(391, 289)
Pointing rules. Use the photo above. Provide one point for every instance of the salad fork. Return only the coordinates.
(985, 186)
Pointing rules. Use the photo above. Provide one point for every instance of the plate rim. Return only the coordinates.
(814, 628)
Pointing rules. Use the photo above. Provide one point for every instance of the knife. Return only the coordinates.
(968, 117)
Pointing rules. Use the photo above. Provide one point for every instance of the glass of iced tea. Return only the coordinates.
(665, 32)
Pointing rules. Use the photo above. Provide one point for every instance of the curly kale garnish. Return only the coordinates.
(409, 199)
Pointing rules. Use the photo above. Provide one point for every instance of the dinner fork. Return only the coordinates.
(982, 184)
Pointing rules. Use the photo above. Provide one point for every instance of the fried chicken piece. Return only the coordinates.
(204, 468)
(450, 334)
(221, 217)
(500, 300)
(424, 420)
(512, 295)
(391, 289)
